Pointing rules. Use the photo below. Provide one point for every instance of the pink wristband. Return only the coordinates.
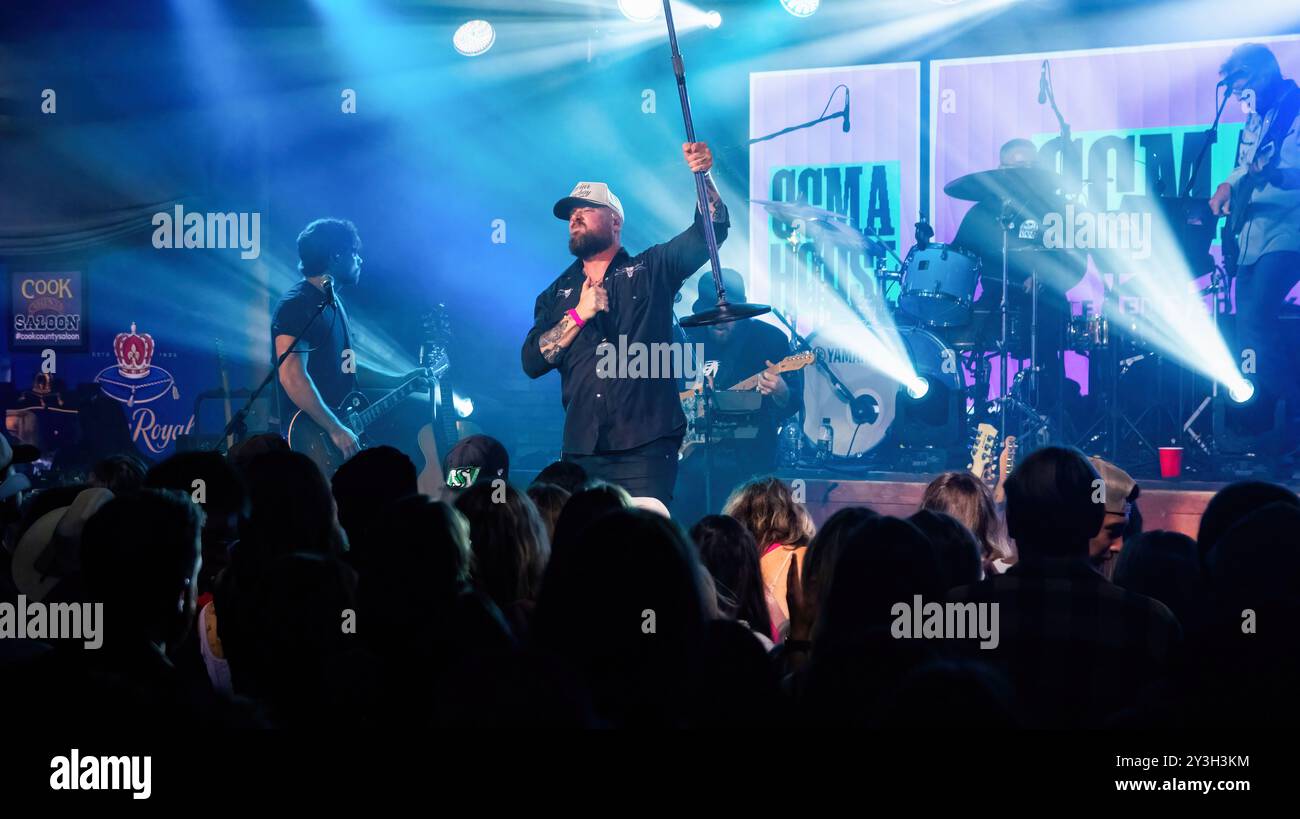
(573, 314)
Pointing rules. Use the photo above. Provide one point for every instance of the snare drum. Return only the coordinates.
(939, 285)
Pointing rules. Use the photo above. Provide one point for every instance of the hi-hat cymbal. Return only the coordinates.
(725, 312)
(1016, 184)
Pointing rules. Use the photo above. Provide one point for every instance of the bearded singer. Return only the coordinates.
(625, 430)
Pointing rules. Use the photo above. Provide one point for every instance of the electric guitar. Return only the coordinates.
(437, 437)
(981, 452)
(1006, 463)
(357, 414)
(693, 399)
(982, 464)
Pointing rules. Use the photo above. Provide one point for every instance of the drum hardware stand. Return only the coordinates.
(798, 344)
(1110, 420)
(1007, 218)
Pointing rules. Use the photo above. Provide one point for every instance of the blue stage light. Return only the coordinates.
(801, 8)
(713, 19)
(1242, 391)
(474, 38)
(641, 11)
(917, 389)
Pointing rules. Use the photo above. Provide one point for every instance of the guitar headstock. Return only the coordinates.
(1007, 460)
(981, 452)
(794, 362)
(435, 329)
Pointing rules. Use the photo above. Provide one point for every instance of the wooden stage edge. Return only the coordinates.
(1174, 506)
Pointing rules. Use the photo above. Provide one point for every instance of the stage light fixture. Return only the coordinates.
(801, 8)
(464, 405)
(1242, 391)
(474, 38)
(918, 387)
(713, 19)
(641, 11)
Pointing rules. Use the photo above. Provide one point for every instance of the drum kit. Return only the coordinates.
(952, 335)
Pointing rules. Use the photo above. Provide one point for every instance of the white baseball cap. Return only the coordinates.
(588, 194)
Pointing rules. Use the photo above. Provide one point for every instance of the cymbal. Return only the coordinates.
(790, 211)
(724, 313)
(1017, 184)
(836, 233)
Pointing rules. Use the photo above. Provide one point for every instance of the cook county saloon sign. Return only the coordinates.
(140, 384)
(47, 311)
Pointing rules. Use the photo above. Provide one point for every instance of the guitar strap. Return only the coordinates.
(1283, 118)
(1284, 115)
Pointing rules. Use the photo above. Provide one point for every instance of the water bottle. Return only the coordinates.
(791, 442)
(825, 437)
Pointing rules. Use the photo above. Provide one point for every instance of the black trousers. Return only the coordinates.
(649, 470)
(1261, 289)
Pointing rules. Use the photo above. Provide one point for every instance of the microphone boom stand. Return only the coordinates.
(725, 311)
(236, 426)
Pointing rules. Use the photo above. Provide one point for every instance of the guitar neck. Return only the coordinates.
(384, 405)
(752, 382)
(445, 416)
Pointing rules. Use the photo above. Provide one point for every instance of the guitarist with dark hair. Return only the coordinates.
(1261, 200)
(742, 352)
(322, 375)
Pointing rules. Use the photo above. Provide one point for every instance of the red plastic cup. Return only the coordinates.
(1171, 461)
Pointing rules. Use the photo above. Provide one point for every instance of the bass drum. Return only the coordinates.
(875, 393)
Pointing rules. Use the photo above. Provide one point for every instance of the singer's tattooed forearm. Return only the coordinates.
(553, 343)
(717, 210)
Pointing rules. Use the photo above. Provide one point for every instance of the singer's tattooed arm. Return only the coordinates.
(717, 209)
(556, 340)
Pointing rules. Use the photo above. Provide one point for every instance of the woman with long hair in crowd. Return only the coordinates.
(782, 530)
(967, 499)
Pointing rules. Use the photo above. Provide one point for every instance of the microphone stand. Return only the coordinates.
(236, 426)
(725, 311)
(810, 123)
(1210, 138)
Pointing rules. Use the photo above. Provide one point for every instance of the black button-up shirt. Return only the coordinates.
(617, 412)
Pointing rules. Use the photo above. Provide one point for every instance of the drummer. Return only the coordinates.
(981, 233)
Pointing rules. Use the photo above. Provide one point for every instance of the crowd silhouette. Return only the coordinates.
(278, 597)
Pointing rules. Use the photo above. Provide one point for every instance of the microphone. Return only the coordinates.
(327, 284)
(1231, 79)
(923, 233)
(846, 109)
(1042, 84)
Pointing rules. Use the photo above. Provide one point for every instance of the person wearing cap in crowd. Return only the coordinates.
(739, 349)
(475, 459)
(621, 424)
(1121, 498)
(48, 556)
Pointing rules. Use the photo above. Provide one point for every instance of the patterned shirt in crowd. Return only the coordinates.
(1074, 646)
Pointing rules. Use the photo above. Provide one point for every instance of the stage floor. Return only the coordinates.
(1172, 505)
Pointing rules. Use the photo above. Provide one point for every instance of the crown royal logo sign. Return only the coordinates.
(134, 352)
(135, 379)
